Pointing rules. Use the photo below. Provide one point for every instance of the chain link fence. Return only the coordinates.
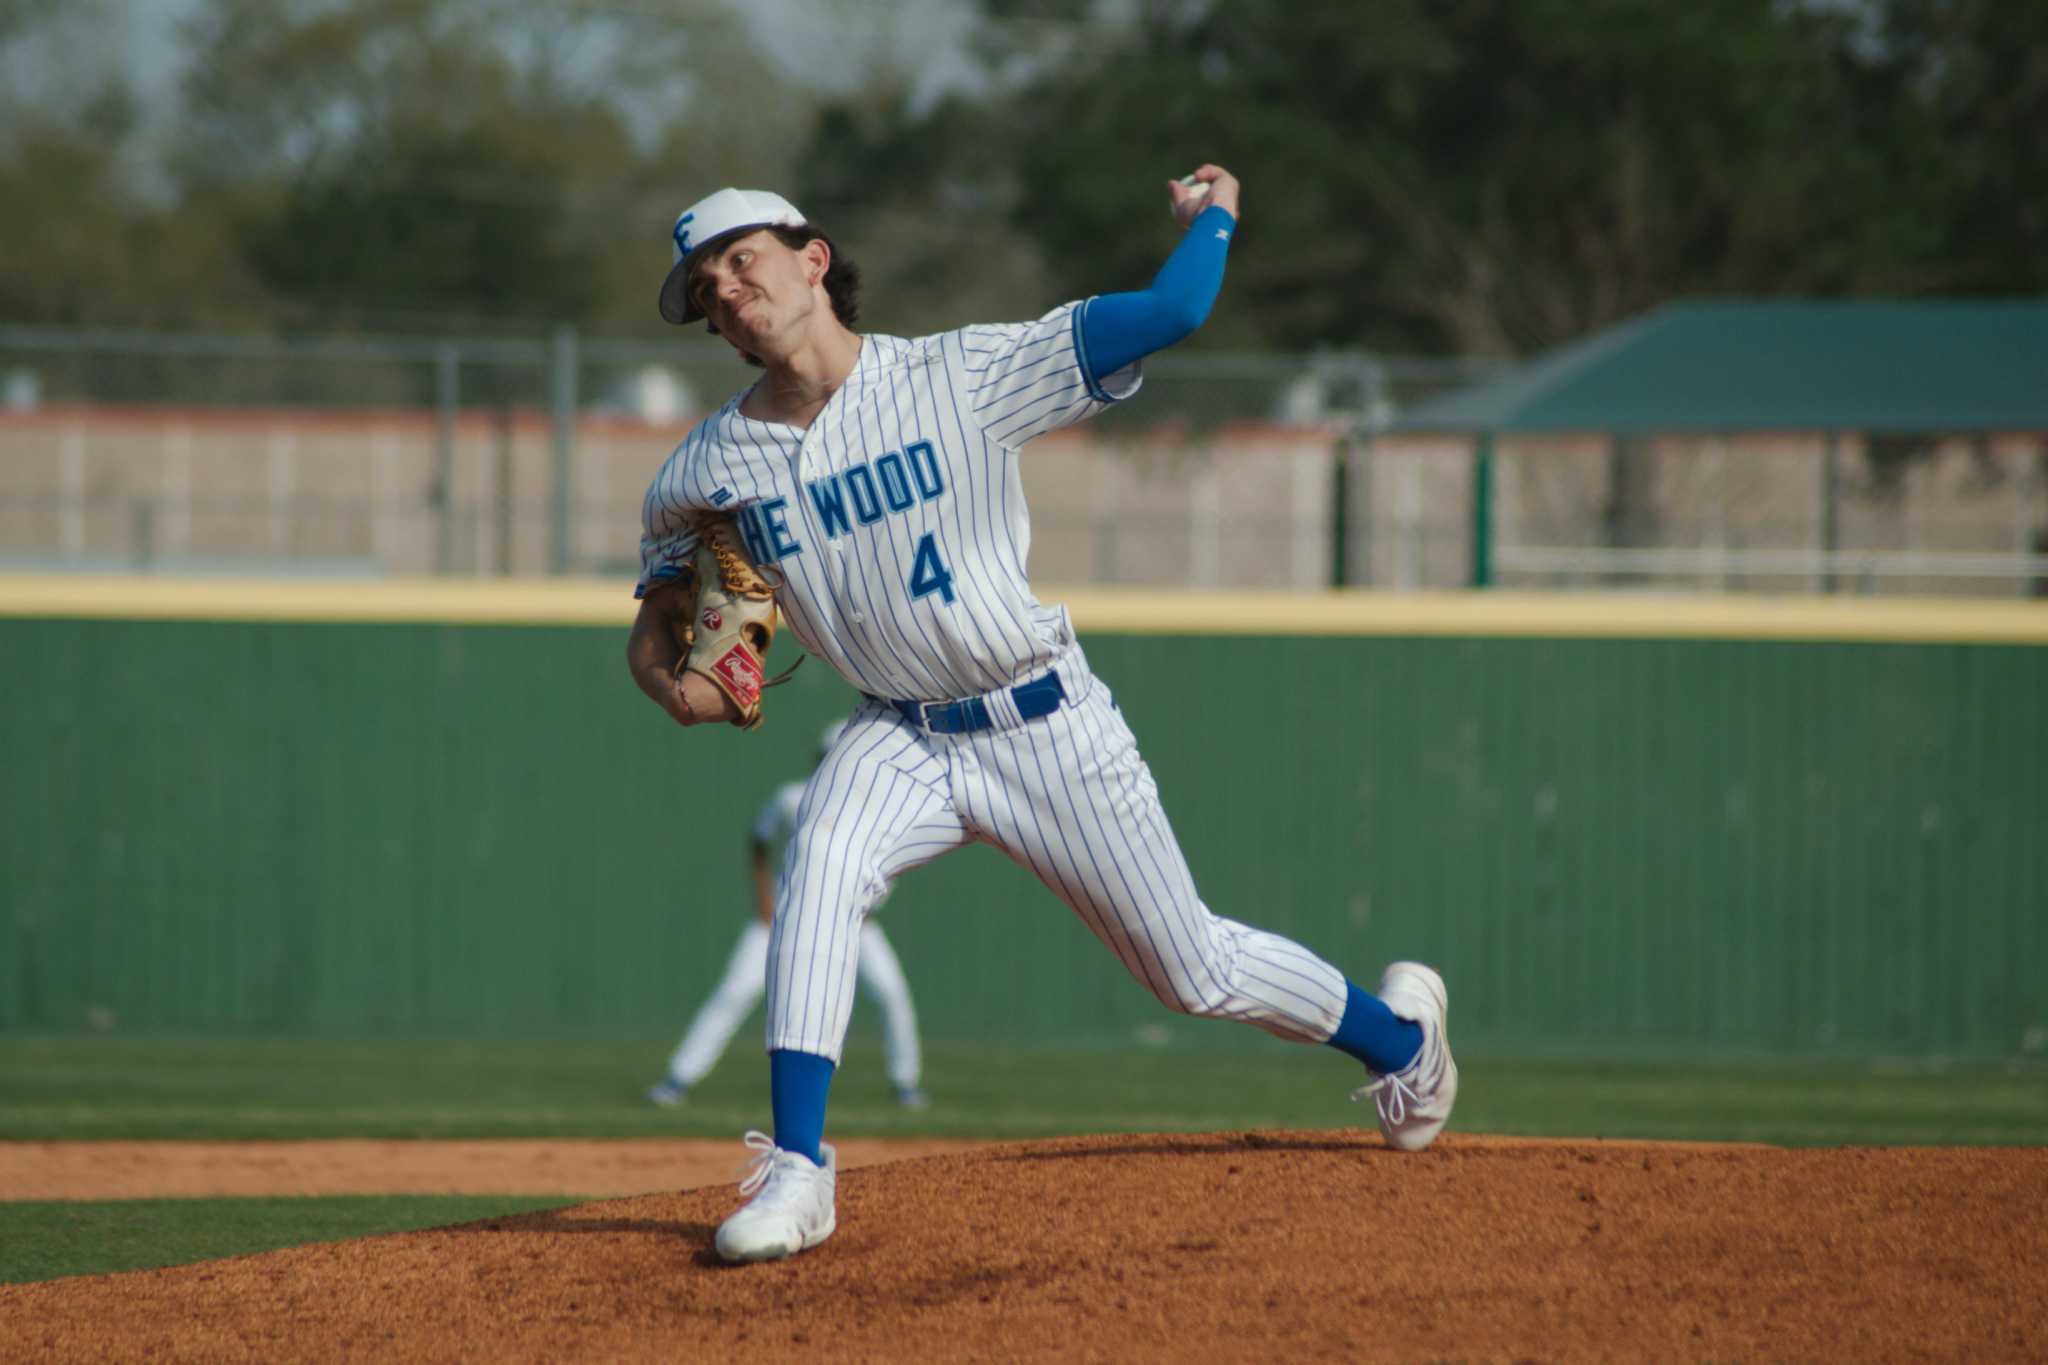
(146, 452)
(360, 456)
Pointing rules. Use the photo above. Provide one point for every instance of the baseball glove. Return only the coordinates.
(731, 621)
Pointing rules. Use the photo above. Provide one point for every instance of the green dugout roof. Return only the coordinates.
(1899, 366)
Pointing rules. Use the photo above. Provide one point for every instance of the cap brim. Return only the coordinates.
(676, 304)
(675, 295)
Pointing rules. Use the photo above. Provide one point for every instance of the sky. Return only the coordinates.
(831, 45)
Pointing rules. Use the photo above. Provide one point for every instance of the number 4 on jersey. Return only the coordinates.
(929, 574)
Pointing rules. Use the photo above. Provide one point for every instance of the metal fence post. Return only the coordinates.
(1340, 512)
(1482, 510)
(1349, 453)
(447, 368)
(1374, 408)
(563, 363)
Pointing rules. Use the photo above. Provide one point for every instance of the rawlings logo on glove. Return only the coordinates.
(732, 620)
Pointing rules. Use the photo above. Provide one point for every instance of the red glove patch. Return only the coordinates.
(740, 672)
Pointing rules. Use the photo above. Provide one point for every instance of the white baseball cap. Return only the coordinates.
(704, 222)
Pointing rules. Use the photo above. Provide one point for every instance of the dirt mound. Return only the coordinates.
(1292, 1245)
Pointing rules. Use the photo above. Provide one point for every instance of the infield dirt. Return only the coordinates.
(1235, 1246)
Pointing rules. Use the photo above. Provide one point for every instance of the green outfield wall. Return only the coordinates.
(1626, 828)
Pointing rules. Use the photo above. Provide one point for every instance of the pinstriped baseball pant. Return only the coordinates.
(1067, 796)
(728, 1006)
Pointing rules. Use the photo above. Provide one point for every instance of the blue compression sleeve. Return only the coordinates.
(1117, 329)
(1374, 1034)
(798, 1083)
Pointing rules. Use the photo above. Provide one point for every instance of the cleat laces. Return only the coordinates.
(1391, 1095)
(776, 1176)
(762, 1165)
(1398, 1092)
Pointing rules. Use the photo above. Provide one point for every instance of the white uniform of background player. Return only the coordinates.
(879, 475)
(746, 975)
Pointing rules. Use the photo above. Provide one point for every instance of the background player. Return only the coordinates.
(880, 476)
(746, 975)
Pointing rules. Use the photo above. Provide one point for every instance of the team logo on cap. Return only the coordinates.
(683, 233)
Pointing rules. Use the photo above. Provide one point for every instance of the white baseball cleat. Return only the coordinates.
(1415, 1102)
(792, 1208)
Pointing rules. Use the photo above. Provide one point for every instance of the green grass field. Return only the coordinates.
(47, 1239)
(85, 1091)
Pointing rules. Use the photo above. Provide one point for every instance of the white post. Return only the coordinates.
(1913, 487)
(1716, 468)
(384, 530)
(283, 475)
(1109, 467)
(177, 492)
(593, 477)
(1312, 520)
(71, 498)
(1205, 523)
(1408, 566)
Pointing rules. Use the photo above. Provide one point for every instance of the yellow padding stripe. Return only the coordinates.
(529, 601)
(557, 601)
(1562, 616)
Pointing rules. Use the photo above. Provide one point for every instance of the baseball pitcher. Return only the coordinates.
(870, 483)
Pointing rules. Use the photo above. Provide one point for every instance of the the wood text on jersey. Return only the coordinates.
(858, 495)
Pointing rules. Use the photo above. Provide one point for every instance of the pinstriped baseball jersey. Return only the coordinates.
(898, 521)
(897, 517)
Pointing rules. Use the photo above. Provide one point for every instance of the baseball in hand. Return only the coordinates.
(1190, 199)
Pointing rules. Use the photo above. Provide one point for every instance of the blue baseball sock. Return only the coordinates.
(1374, 1034)
(797, 1085)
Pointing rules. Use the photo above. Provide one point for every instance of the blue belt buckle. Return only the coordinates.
(1040, 697)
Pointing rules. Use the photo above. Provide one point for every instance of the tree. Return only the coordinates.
(401, 163)
(1978, 72)
(1473, 176)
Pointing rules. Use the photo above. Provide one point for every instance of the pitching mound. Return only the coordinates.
(1295, 1245)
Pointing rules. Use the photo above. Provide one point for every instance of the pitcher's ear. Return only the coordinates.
(818, 253)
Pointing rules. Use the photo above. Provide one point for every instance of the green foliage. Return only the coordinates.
(1458, 176)
(410, 172)
(76, 235)
(394, 231)
(1979, 71)
(928, 219)
(386, 164)
(1488, 178)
